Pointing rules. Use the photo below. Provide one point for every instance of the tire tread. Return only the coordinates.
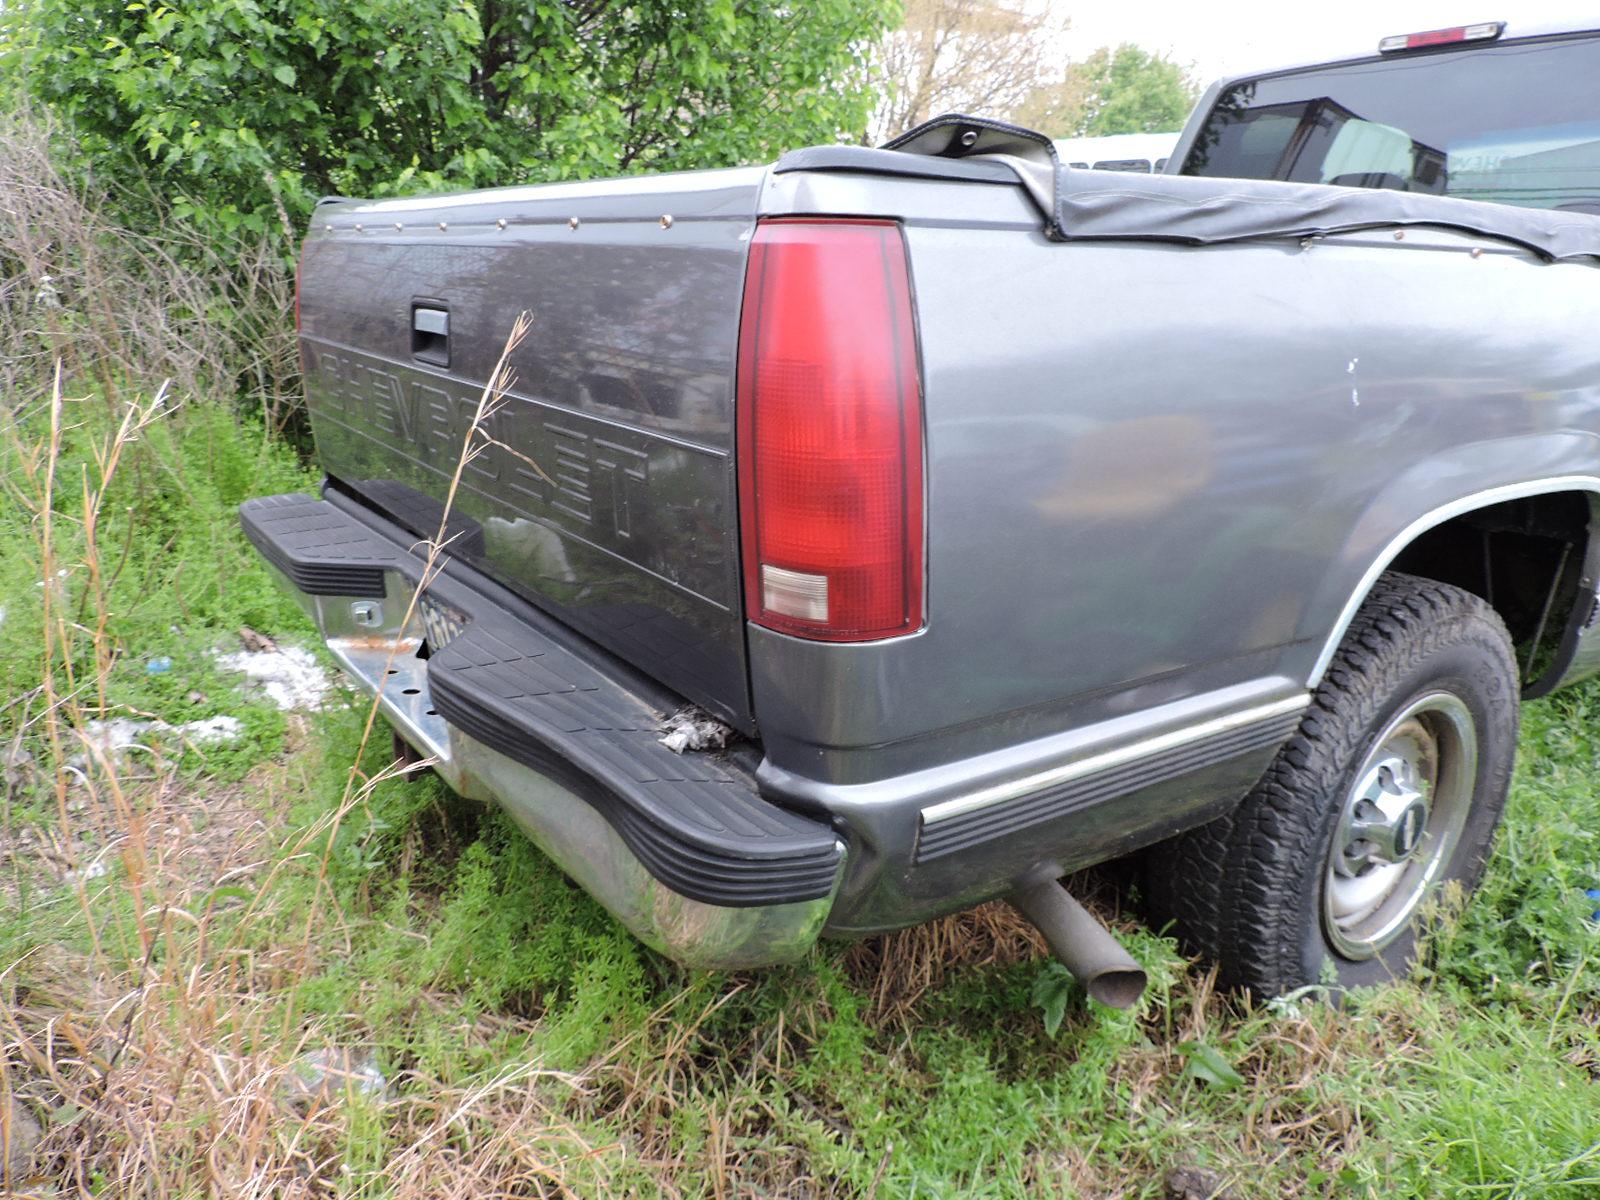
(1225, 887)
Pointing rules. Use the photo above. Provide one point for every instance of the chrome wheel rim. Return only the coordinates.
(1399, 824)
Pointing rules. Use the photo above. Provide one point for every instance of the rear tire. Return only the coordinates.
(1393, 784)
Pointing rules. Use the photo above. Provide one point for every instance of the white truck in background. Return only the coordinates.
(1142, 153)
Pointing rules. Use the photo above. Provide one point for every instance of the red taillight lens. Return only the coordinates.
(1436, 37)
(830, 432)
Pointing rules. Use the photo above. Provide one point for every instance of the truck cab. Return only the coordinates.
(1502, 111)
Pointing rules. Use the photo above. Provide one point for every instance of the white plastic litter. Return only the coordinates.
(212, 729)
(112, 737)
(118, 734)
(321, 1077)
(693, 729)
(290, 676)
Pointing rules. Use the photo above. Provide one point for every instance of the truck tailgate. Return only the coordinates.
(603, 487)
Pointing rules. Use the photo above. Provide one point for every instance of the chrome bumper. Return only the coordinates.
(376, 644)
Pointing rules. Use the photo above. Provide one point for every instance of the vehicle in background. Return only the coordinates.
(1504, 111)
(1141, 152)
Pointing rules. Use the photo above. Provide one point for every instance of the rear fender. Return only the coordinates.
(1449, 485)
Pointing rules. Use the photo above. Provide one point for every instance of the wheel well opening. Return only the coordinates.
(1527, 558)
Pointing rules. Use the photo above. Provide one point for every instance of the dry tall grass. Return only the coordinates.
(159, 1042)
(155, 1049)
(117, 310)
(78, 1035)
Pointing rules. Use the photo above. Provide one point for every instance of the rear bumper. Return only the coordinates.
(517, 710)
(734, 860)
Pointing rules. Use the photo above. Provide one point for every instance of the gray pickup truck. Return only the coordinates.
(884, 531)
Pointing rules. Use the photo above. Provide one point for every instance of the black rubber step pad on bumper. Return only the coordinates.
(698, 826)
(421, 514)
(320, 549)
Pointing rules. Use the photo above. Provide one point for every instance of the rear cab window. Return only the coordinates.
(1512, 122)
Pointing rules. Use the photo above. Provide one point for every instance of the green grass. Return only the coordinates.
(531, 1044)
(178, 579)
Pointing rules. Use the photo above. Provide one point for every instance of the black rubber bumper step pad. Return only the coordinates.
(699, 827)
(421, 514)
(323, 551)
(697, 824)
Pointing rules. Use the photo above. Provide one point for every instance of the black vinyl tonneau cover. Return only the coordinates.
(1202, 211)
(1083, 205)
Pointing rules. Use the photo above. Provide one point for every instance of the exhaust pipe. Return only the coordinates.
(1084, 946)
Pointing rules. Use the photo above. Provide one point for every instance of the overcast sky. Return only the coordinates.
(1249, 35)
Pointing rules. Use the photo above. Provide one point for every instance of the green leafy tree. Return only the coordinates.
(1126, 89)
(245, 111)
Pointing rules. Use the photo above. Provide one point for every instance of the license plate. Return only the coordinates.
(440, 623)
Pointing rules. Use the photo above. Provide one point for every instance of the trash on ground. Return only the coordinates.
(291, 676)
(254, 641)
(323, 1076)
(212, 729)
(114, 737)
(95, 870)
(111, 737)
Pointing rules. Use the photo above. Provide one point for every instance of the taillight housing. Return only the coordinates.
(829, 420)
(1484, 31)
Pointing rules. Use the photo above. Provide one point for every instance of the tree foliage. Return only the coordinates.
(1126, 89)
(245, 111)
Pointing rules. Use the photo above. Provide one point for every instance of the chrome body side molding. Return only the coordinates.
(958, 824)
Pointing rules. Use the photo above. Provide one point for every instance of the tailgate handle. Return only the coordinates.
(430, 334)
